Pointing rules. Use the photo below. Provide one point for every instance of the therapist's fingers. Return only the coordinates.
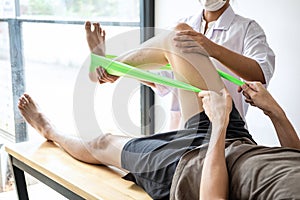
(181, 38)
(187, 32)
(99, 75)
(104, 77)
(188, 36)
(186, 44)
(100, 80)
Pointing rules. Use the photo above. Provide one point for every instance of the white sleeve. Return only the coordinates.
(257, 48)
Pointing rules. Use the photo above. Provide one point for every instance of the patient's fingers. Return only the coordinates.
(256, 86)
(247, 91)
(204, 93)
(246, 95)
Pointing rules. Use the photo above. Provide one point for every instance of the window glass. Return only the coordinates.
(7, 8)
(108, 10)
(55, 56)
(6, 107)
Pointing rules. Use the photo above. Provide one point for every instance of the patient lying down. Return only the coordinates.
(252, 171)
(213, 157)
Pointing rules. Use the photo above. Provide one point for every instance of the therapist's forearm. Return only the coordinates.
(244, 67)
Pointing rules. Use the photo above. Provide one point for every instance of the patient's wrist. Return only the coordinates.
(276, 113)
(221, 121)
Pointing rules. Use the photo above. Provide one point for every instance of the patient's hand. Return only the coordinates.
(217, 106)
(256, 95)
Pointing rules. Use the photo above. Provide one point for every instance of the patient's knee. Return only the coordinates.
(183, 26)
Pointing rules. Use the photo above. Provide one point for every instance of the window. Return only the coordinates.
(50, 37)
(6, 109)
(106, 10)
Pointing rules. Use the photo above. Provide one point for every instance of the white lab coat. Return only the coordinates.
(241, 35)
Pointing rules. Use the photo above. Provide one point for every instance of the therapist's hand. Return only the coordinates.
(191, 41)
(104, 77)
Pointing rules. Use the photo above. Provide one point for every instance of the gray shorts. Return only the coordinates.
(152, 160)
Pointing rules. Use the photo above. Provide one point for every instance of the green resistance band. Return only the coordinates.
(120, 69)
(221, 73)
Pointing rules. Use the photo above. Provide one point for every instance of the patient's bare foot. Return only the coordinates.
(95, 38)
(32, 114)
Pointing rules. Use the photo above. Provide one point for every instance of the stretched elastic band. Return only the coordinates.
(121, 69)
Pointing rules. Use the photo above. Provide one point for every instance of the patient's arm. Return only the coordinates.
(258, 96)
(214, 179)
(284, 129)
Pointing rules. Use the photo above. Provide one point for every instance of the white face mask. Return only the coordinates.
(212, 5)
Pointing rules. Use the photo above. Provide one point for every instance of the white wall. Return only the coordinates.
(279, 19)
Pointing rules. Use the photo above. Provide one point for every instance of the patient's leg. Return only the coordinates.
(105, 149)
(95, 38)
(195, 69)
(96, 42)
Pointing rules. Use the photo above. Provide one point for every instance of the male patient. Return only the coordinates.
(162, 162)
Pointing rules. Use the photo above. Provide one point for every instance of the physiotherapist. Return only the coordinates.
(235, 44)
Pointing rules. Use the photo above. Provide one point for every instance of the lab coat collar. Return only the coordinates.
(225, 20)
(223, 23)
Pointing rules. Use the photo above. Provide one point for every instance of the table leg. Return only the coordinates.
(20, 182)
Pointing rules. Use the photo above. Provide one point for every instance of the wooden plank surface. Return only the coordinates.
(89, 181)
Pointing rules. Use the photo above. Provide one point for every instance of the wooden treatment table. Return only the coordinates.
(51, 165)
